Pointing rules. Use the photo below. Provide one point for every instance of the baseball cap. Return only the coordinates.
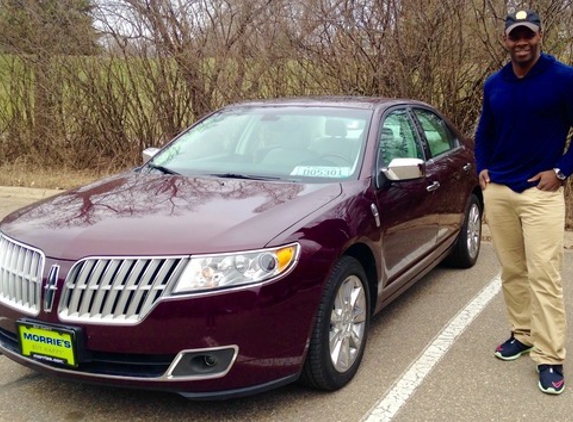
(525, 18)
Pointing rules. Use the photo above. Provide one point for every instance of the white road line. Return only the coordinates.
(405, 386)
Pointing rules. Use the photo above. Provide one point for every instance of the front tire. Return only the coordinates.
(339, 337)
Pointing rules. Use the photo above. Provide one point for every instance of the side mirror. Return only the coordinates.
(149, 153)
(404, 169)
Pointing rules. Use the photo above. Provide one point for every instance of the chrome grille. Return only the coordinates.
(116, 290)
(21, 269)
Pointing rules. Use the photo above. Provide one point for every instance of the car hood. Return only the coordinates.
(136, 214)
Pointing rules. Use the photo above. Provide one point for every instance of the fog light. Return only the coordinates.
(203, 363)
(210, 360)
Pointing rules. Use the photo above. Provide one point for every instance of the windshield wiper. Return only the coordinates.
(243, 176)
(162, 169)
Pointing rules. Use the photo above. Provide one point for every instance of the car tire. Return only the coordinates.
(467, 247)
(339, 336)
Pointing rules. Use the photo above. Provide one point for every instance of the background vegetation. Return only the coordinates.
(85, 85)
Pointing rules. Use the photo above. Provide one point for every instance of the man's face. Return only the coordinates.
(523, 44)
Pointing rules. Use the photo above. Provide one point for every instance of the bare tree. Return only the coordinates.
(38, 34)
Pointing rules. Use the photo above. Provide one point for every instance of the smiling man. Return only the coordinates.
(522, 165)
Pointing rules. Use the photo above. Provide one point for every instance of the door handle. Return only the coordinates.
(375, 214)
(433, 187)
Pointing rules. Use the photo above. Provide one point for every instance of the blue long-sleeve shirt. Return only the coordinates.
(524, 123)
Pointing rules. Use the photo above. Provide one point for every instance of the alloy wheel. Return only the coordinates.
(347, 323)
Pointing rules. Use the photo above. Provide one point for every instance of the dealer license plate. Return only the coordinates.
(48, 344)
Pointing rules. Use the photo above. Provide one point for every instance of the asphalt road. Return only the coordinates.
(429, 358)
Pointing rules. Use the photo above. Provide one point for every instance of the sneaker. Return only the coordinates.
(551, 379)
(511, 349)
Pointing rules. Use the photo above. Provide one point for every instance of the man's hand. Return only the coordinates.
(484, 179)
(548, 181)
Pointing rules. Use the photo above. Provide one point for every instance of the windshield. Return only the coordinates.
(284, 143)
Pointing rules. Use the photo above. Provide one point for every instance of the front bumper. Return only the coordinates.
(257, 336)
(161, 383)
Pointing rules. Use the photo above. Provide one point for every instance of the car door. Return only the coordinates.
(448, 163)
(409, 226)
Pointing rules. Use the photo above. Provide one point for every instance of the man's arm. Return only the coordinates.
(565, 164)
(548, 180)
(484, 141)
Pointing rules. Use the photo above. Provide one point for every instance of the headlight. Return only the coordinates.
(209, 272)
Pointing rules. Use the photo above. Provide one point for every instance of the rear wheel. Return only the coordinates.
(339, 337)
(466, 250)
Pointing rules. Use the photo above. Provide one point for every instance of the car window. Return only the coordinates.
(397, 138)
(284, 143)
(209, 139)
(439, 137)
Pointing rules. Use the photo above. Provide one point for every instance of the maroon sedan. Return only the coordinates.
(250, 252)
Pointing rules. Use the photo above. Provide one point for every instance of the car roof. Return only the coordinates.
(330, 101)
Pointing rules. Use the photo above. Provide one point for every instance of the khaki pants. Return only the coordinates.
(527, 231)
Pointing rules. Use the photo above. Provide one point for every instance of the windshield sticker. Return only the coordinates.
(321, 171)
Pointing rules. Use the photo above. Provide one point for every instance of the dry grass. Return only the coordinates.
(26, 175)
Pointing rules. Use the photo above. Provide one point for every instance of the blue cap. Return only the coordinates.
(525, 18)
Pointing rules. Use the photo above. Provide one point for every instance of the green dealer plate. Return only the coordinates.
(47, 344)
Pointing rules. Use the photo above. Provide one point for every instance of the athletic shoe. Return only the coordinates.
(551, 379)
(511, 349)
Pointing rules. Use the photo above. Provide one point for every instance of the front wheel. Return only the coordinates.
(339, 337)
(466, 250)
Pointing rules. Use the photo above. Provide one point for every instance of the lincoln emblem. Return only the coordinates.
(51, 287)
